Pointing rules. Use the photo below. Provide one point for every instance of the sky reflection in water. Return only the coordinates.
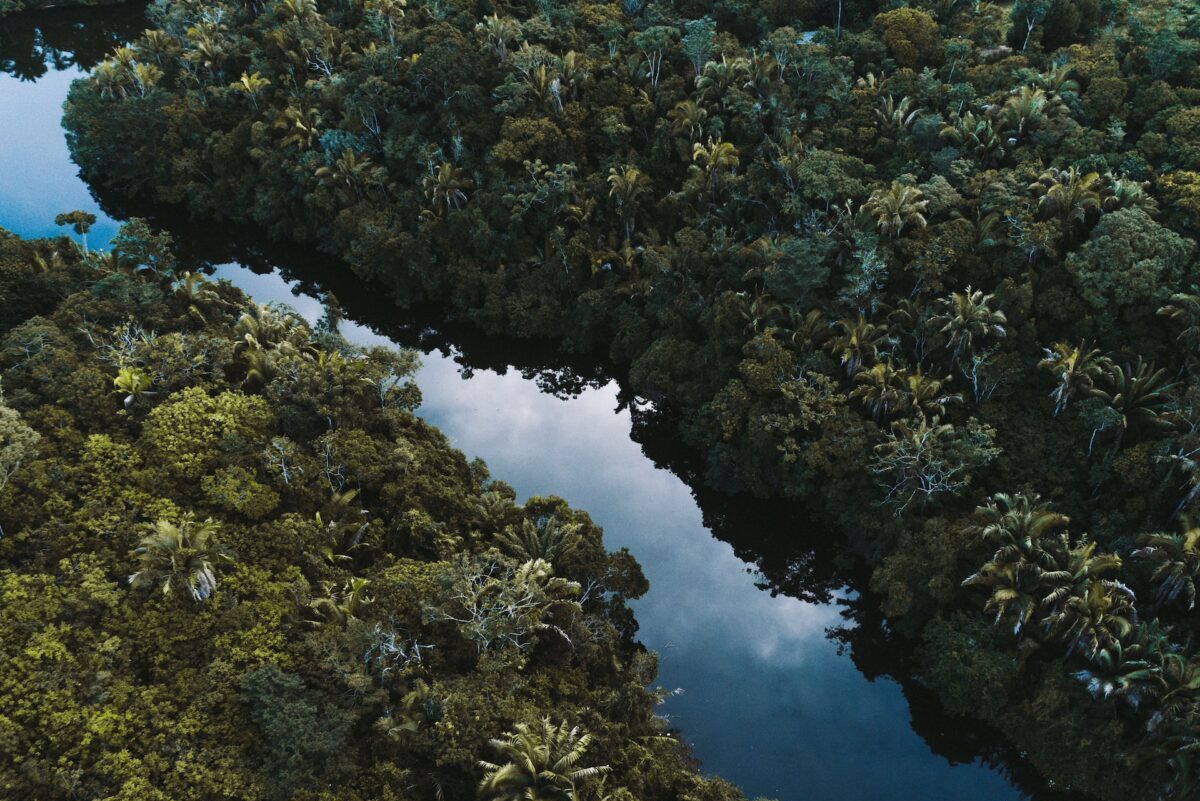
(767, 701)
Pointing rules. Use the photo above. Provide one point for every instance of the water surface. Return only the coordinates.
(767, 701)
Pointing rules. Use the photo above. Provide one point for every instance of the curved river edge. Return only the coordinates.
(797, 566)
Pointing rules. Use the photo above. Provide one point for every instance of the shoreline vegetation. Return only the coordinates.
(236, 564)
(929, 270)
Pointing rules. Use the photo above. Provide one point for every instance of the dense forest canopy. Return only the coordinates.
(928, 268)
(236, 565)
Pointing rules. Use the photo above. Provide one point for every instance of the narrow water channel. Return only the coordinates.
(766, 699)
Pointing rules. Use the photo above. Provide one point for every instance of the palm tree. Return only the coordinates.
(133, 384)
(493, 510)
(967, 317)
(1124, 672)
(896, 207)
(44, 265)
(1125, 193)
(897, 116)
(298, 10)
(1056, 80)
(541, 764)
(180, 557)
(351, 174)
(499, 33)
(157, 45)
(1076, 367)
(1140, 395)
(923, 393)
(145, 77)
(125, 58)
(207, 50)
(543, 86)
(908, 319)
(857, 342)
(573, 71)
(718, 78)
(1176, 559)
(626, 186)
(197, 291)
(763, 73)
(1021, 526)
(718, 160)
(975, 135)
(1078, 566)
(688, 116)
(1184, 310)
(1101, 617)
(252, 85)
(760, 311)
(110, 80)
(1180, 675)
(1015, 589)
(299, 126)
(879, 389)
(444, 188)
(986, 232)
(266, 335)
(1183, 463)
(338, 608)
(420, 705)
(808, 331)
(266, 326)
(549, 539)
(1068, 195)
(1023, 112)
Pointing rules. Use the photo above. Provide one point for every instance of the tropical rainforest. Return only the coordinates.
(926, 270)
(236, 565)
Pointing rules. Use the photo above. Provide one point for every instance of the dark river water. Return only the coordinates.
(765, 698)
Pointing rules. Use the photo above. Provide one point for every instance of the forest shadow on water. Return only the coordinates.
(35, 44)
(790, 556)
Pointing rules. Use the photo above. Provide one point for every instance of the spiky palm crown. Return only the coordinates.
(182, 556)
(1020, 525)
(1176, 559)
(541, 763)
(549, 539)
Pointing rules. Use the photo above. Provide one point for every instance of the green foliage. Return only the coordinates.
(234, 489)
(1130, 261)
(18, 443)
(191, 429)
(261, 589)
(303, 744)
(911, 36)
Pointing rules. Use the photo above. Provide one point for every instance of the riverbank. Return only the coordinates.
(257, 557)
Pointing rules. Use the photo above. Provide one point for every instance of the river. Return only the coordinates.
(766, 700)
